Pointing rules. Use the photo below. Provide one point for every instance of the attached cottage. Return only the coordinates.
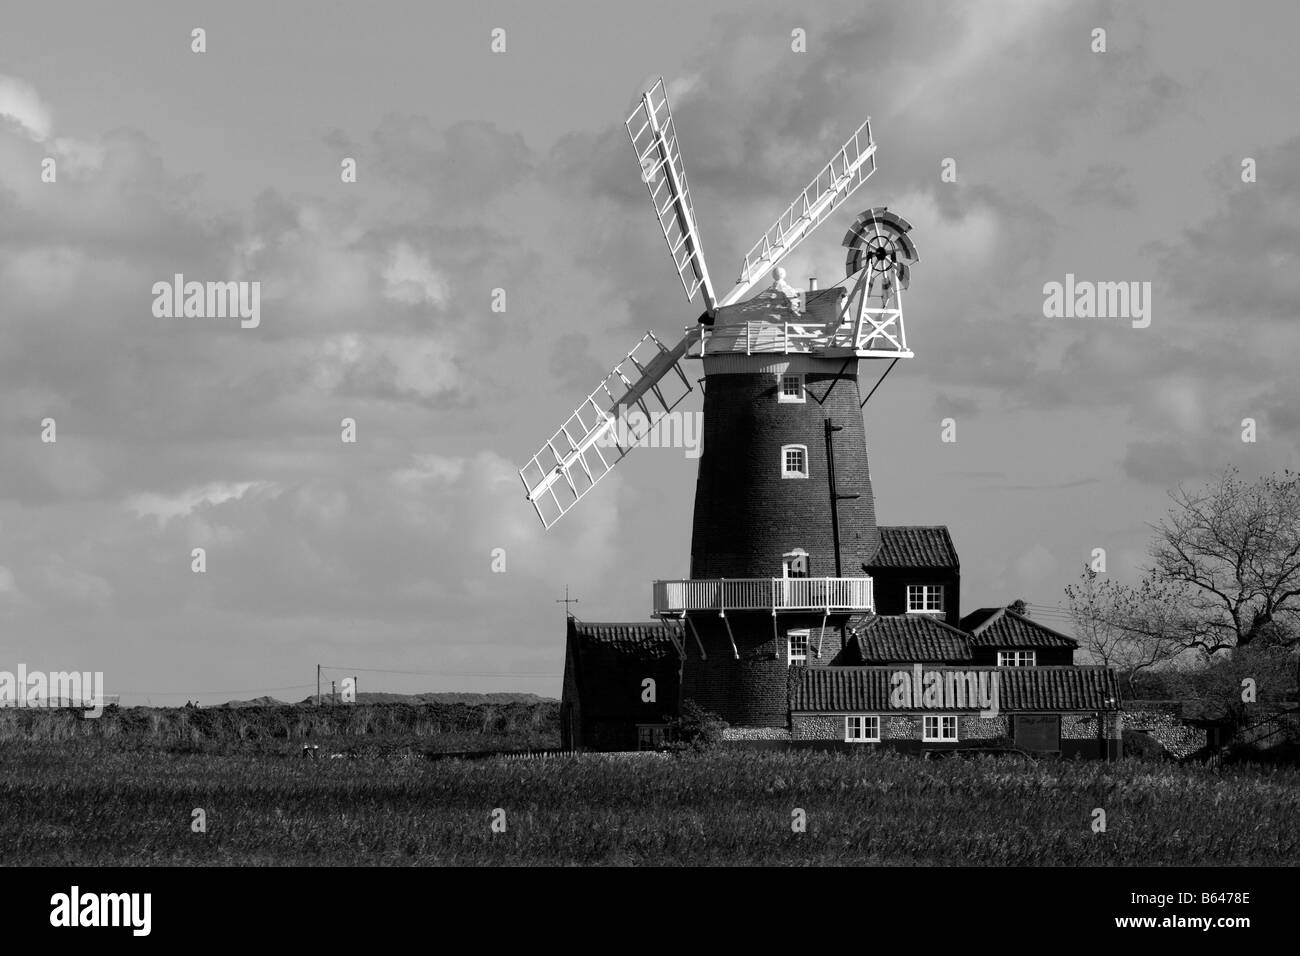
(913, 676)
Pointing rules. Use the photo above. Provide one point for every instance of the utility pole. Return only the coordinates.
(334, 695)
(317, 685)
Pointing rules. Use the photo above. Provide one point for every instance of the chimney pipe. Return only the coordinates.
(812, 283)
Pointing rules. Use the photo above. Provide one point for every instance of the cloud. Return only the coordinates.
(955, 405)
(20, 104)
(410, 278)
(1242, 259)
(60, 582)
(572, 363)
(1105, 184)
(392, 367)
(1032, 569)
(457, 169)
(78, 156)
(166, 507)
(9, 591)
(1161, 463)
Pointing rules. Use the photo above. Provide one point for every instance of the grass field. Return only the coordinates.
(84, 802)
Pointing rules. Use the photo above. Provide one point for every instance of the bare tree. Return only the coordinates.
(1228, 556)
(1221, 682)
(1121, 627)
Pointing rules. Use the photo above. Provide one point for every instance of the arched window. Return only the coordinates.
(794, 564)
(794, 461)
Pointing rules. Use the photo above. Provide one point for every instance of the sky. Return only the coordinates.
(480, 170)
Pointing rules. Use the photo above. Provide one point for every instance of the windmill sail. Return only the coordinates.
(654, 137)
(848, 169)
(600, 433)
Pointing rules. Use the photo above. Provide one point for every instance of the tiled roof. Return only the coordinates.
(647, 641)
(911, 637)
(1020, 689)
(1002, 627)
(975, 618)
(915, 546)
(608, 663)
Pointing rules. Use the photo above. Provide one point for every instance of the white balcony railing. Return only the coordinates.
(764, 594)
(789, 338)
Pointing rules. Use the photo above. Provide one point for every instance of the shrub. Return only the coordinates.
(695, 729)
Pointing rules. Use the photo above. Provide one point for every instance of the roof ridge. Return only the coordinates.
(983, 625)
(621, 623)
(1038, 624)
(928, 618)
(891, 527)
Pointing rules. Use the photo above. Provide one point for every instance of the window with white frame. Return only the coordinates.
(794, 564)
(861, 729)
(925, 599)
(794, 461)
(791, 389)
(798, 647)
(1017, 659)
(939, 728)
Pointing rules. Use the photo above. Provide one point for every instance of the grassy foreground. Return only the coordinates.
(87, 804)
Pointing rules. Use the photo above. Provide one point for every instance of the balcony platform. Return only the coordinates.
(807, 337)
(774, 595)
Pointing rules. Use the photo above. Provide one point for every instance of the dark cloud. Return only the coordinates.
(459, 168)
(1239, 263)
(1161, 463)
(1105, 184)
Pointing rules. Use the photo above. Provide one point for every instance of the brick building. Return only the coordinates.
(606, 703)
(837, 687)
(803, 620)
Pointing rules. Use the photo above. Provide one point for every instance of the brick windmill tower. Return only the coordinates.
(784, 517)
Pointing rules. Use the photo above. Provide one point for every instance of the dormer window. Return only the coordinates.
(1017, 659)
(925, 599)
(791, 389)
(794, 461)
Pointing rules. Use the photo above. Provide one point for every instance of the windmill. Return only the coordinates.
(579, 454)
(770, 556)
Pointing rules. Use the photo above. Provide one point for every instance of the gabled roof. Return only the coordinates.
(975, 618)
(910, 637)
(914, 546)
(648, 641)
(1020, 689)
(1003, 627)
(608, 663)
